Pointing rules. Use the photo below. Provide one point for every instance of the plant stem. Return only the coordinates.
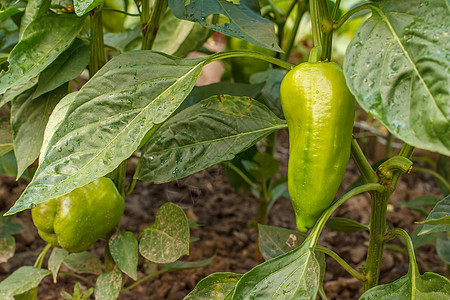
(40, 258)
(322, 29)
(120, 177)
(350, 13)
(301, 9)
(241, 174)
(244, 53)
(434, 173)
(109, 261)
(363, 165)
(378, 228)
(144, 279)
(342, 262)
(97, 59)
(150, 27)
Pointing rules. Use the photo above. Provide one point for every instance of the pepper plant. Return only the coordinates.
(139, 99)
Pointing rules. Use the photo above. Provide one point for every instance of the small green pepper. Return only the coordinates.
(319, 111)
(78, 219)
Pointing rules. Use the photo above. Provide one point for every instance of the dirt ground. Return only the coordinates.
(227, 232)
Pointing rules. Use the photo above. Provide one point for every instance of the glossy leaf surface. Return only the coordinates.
(214, 287)
(275, 241)
(397, 67)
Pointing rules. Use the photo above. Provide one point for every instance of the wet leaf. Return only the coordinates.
(209, 132)
(397, 68)
(84, 6)
(242, 21)
(21, 281)
(43, 41)
(214, 287)
(34, 10)
(123, 247)
(168, 238)
(107, 119)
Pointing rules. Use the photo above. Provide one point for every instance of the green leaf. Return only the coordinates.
(122, 41)
(84, 6)
(113, 111)
(28, 120)
(268, 166)
(275, 241)
(9, 12)
(55, 260)
(270, 93)
(6, 139)
(34, 10)
(438, 219)
(66, 67)
(108, 285)
(16, 90)
(21, 281)
(7, 248)
(429, 286)
(123, 247)
(8, 227)
(187, 265)
(179, 37)
(443, 168)
(40, 46)
(294, 275)
(397, 68)
(420, 240)
(418, 203)
(168, 238)
(443, 247)
(209, 132)
(84, 263)
(345, 225)
(8, 164)
(242, 21)
(214, 287)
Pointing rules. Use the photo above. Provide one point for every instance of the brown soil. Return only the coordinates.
(227, 231)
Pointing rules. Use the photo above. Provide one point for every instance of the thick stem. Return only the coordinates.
(363, 165)
(322, 29)
(97, 59)
(150, 28)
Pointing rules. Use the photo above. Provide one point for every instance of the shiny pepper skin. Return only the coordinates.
(319, 111)
(78, 219)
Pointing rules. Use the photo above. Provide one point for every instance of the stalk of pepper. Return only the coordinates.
(78, 219)
(319, 111)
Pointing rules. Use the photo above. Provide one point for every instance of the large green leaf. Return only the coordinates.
(214, 287)
(168, 238)
(66, 67)
(398, 65)
(107, 119)
(179, 37)
(34, 10)
(294, 275)
(84, 263)
(209, 132)
(22, 280)
(244, 20)
(42, 42)
(84, 6)
(28, 120)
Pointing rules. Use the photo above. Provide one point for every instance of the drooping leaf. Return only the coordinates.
(397, 67)
(28, 120)
(123, 247)
(420, 240)
(107, 119)
(8, 227)
(55, 260)
(294, 275)
(214, 287)
(9, 12)
(242, 20)
(43, 41)
(345, 225)
(179, 37)
(419, 202)
(439, 218)
(108, 285)
(212, 131)
(187, 265)
(84, 262)
(34, 10)
(275, 241)
(6, 139)
(168, 238)
(20, 281)
(84, 6)
(66, 67)
(7, 248)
